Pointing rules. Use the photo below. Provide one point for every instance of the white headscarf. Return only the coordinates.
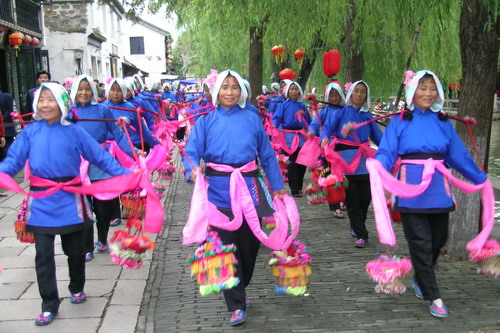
(265, 90)
(76, 85)
(138, 78)
(249, 89)
(365, 106)
(122, 85)
(412, 87)
(129, 83)
(287, 88)
(61, 96)
(275, 86)
(335, 86)
(220, 79)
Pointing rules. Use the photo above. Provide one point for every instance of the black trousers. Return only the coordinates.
(45, 266)
(247, 248)
(357, 201)
(426, 234)
(105, 211)
(295, 173)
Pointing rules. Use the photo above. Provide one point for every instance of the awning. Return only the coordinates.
(130, 69)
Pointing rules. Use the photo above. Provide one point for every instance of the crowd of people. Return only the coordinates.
(221, 134)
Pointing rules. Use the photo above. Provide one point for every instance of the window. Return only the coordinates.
(136, 45)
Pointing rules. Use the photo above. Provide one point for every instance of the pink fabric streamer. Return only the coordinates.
(204, 213)
(309, 153)
(381, 179)
(279, 139)
(117, 185)
(157, 155)
(339, 166)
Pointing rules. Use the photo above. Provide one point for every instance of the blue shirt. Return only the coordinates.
(55, 151)
(333, 128)
(285, 117)
(134, 135)
(234, 136)
(323, 115)
(426, 133)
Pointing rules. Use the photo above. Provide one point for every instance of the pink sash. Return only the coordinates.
(339, 165)
(381, 179)
(309, 153)
(116, 185)
(204, 213)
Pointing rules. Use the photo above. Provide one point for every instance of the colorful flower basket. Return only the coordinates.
(395, 216)
(129, 246)
(213, 263)
(133, 204)
(488, 258)
(159, 189)
(389, 273)
(282, 162)
(291, 270)
(166, 170)
(335, 187)
(20, 226)
(315, 194)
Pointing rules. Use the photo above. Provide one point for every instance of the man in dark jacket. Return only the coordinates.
(7, 135)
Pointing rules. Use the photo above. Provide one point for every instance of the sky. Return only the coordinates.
(159, 19)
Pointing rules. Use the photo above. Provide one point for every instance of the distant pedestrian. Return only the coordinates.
(41, 77)
(8, 132)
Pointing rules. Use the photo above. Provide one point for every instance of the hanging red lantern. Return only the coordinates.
(331, 62)
(169, 46)
(169, 51)
(299, 55)
(27, 39)
(35, 41)
(169, 62)
(287, 74)
(16, 39)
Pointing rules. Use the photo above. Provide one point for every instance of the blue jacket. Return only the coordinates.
(285, 117)
(55, 151)
(426, 133)
(234, 136)
(322, 117)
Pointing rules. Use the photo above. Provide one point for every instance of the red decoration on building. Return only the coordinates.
(35, 41)
(16, 39)
(27, 39)
(169, 62)
(287, 74)
(331, 62)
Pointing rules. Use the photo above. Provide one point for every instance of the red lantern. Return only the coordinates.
(331, 62)
(35, 41)
(335, 195)
(27, 39)
(169, 51)
(16, 39)
(299, 55)
(169, 62)
(287, 74)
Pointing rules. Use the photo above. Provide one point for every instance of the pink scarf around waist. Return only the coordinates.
(204, 213)
(381, 179)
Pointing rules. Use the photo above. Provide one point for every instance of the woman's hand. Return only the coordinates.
(2, 141)
(324, 142)
(194, 173)
(142, 152)
(310, 135)
(279, 193)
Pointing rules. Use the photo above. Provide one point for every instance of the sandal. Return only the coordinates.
(45, 318)
(338, 214)
(438, 311)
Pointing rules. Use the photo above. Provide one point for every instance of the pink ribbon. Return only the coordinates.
(381, 179)
(309, 153)
(279, 139)
(204, 213)
(339, 165)
(157, 155)
(116, 185)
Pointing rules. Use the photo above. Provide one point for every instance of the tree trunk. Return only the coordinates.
(309, 59)
(255, 61)
(354, 63)
(479, 54)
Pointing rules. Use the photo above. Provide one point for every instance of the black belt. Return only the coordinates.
(422, 156)
(293, 128)
(341, 146)
(57, 180)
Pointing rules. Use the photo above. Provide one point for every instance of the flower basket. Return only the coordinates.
(395, 216)
(282, 162)
(269, 222)
(213, 263)
(20, 226)
(166, 170)
(291, 270)
(129, 246)
(133, 205)
(334, 186)
(389, 273)
(488, 258)
(159, 189)
(315, 194)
